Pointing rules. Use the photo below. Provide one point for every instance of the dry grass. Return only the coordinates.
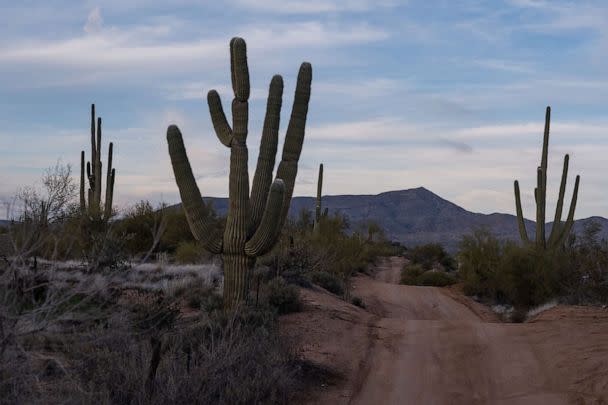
(150, 334)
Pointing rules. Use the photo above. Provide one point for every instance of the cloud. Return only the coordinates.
(313, 6)
(94, 22)
(366, 131)
(366, 88)
(139, 52)
(534, 130)
(505, 65)
(459, 146)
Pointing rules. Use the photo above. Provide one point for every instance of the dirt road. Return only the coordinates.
(424, 345)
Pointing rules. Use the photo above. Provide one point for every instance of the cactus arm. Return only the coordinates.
(238, 219)
(545, 152)
(288, 168)
(218, 118)
(557, 221)
(537, 193)
(110, 196)
(83, 201)
(239, 69)
(543, 179)
(89, 176)
(540, 236)
(520, 216)
(567, 227)
(268, 149)
(109, 185)
(190, 194)
(266, 234)
(319, 192)
(97, 171)
(91, 164)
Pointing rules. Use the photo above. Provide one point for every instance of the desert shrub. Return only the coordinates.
(431, 255)
(350, 256)
(198, 295)
(586, 281)
(139, 223)
(523, 276)
(530, 277)
(177, 230)
(137, 350)
(104, 248)
(327, 280)
(479, 258)
(190, 253)
(329, 255)
(435, 279)
(382, 248)
(357, 301)
(415, 274)
(227, 359)
(410, 273)
(284, 298)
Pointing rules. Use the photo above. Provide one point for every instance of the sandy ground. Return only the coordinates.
(425, 345)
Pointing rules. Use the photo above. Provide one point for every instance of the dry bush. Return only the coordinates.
(525, 277)
(221, 359)
(71, 336)
(329, 255)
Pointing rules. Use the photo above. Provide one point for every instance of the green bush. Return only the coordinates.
(586, 281)
(329, 281)
(529, 277)
(415, 274)
(430, 255)
(410, 273)
(283, 297)
(435, 279)
(520, 275)
(479, 257)
(329, 255)
(188, 253)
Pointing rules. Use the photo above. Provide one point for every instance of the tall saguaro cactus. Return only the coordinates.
(560, 230)
(90, 203)
(254, 221)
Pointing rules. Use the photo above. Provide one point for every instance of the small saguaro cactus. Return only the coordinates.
(254, 222)
(560, 230)
(90, 203)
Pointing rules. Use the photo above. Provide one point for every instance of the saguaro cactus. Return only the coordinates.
(560, 230)
(254, 222)
(90, 203)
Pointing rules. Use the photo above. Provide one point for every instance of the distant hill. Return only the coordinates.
(416, 216)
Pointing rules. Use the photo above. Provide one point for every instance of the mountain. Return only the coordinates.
(417, 216)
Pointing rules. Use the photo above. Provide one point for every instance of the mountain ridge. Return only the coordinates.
(416, 216)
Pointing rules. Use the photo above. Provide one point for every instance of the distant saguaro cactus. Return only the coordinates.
(560, 230)
(90, 203)
(254, 222)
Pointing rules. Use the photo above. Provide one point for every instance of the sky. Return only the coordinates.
(446, 95)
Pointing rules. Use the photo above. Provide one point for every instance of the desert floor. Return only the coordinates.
(427, 345)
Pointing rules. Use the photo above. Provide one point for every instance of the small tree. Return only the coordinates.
(46, 212)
